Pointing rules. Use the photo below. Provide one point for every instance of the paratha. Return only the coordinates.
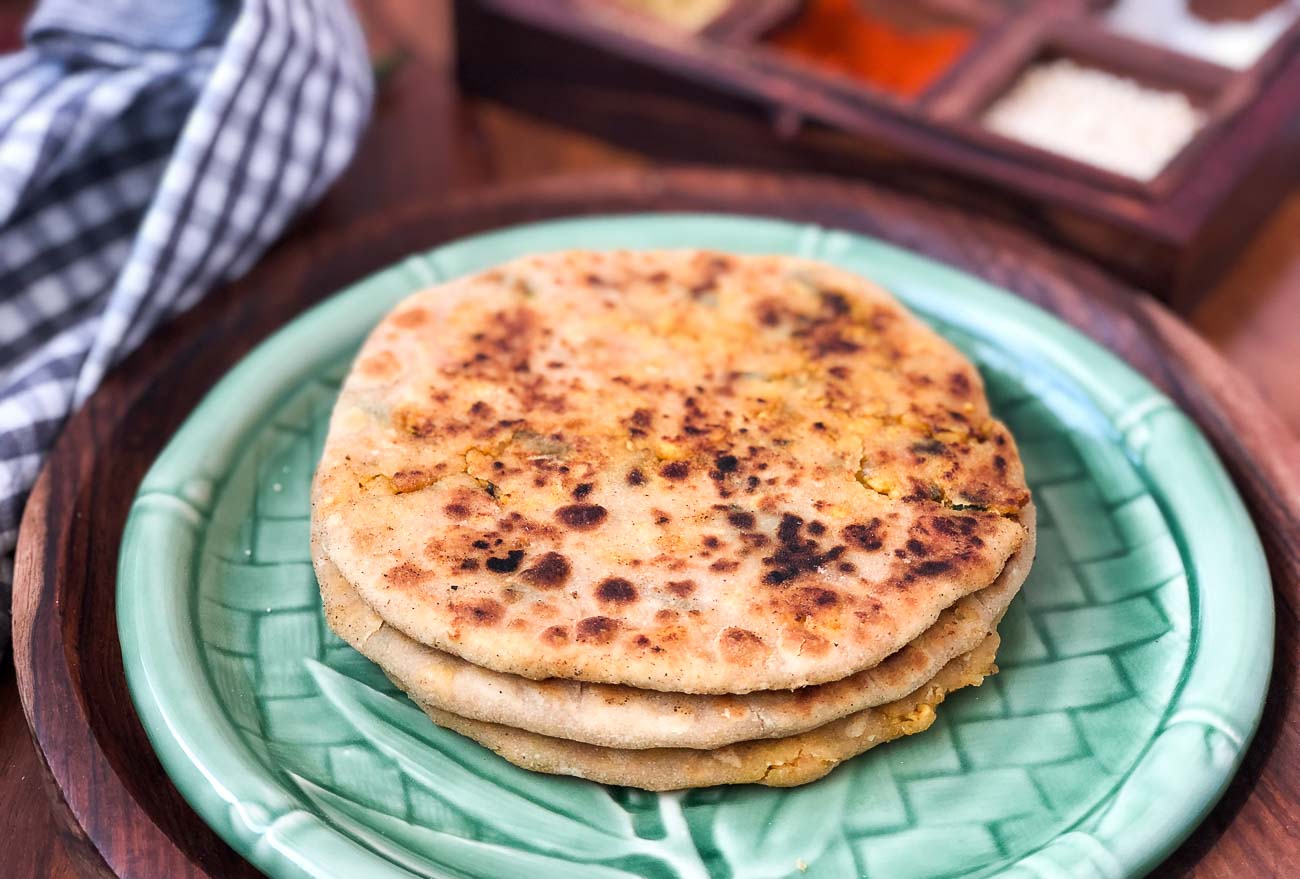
(681, 471)
(774, 762)
(616, 716)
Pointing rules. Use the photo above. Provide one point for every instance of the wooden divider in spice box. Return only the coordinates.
(1049, 113)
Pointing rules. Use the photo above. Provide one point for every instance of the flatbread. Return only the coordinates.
(680, 471)
(774, 762)
(617, 716)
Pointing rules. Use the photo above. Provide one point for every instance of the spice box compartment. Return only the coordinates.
(734, 92)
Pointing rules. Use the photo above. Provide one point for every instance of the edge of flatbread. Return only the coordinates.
(616, 716)
(681, 471)
(784, 762)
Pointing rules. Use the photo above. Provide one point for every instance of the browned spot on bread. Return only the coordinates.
(469, 564)
(680, 588)
(667, 615)
(597, 630)
(582, 490)
(412, 317)
(481, 410)
(742, 520)
(616, 590)
(813, 645)
(456, 511)
(407, 574)
(724, 565)
(484, 612)
(675, 470)
(411, 480)
(933, 568)
(959, 383)
(865, 536)
(551, 571)
(711, 542)
(741, 646)
(635, 477)
(816, 597)
(507, 564)
(796, 556)
(582, 517)
(556, 635)
(381, 365)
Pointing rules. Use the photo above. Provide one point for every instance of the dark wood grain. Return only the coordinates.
(69, 667)
(1174, 235)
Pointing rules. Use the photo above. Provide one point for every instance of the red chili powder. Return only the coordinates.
(840, 35)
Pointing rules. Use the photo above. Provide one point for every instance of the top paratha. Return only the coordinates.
(681, 471)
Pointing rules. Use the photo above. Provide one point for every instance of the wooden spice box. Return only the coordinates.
(726, 94)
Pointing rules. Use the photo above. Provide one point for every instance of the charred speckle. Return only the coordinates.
(469, 564)
(847, 567)
(675, 470)
(795, 555)
(724, 565)
(549, 572)
(456, 511)
(641, 418)
(818, 425)
(582, 517)
(481, 544)
(788, 531)
(480, 409)
(816, 529)
(865, 536)
(999, 463)
(507, 565)
(752, 483)
(727, 463)
(712, 542)
(916, 547)
(835, 302)
(959, 383)
(497, 465)
(635, 477)
(928, 447)
(742, 520)
(681, 588)
(582, 491)
(597, 629)
(616, 590)
(933, 567)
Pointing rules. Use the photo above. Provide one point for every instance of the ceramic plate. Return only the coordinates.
(1134, 663)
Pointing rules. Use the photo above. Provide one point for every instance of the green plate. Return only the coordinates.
(1134, 664)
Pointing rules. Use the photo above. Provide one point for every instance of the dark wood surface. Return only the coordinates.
(1175, 234)
(427, 142)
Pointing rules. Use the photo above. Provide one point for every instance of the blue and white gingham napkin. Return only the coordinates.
(149, 149)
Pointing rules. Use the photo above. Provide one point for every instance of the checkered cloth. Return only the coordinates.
(149, 149)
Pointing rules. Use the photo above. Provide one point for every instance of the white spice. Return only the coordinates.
(1096, 117)
(1236, 44)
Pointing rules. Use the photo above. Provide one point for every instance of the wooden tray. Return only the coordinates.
(122, 814)
(712, 94)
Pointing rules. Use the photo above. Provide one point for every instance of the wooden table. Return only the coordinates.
(427, 138)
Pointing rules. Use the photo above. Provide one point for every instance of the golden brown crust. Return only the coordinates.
(782, 762)
(616, 716)
(680, 471)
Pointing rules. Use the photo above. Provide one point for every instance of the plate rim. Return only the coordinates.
(271, 833)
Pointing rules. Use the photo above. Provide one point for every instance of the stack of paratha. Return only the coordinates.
(669, 519)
